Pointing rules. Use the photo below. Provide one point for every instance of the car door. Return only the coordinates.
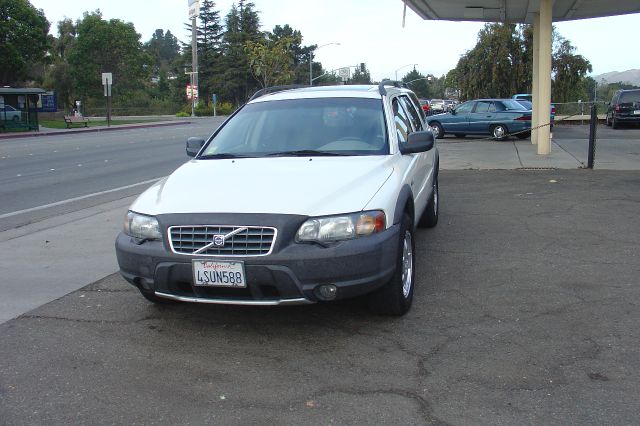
(459, 120)
(407, 119)
(481, 117)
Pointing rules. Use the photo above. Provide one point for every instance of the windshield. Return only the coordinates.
(630, 96)
(320, 126)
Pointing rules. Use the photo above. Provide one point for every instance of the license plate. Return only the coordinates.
(214, 273)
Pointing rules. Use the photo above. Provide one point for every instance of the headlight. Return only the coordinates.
(141, 226)
(343, 227)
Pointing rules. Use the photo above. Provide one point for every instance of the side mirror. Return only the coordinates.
(453, 111)
(194, 145)
(418, 142)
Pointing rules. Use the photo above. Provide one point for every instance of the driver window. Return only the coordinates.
(465, 108)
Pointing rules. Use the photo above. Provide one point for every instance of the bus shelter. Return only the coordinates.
(19, 108)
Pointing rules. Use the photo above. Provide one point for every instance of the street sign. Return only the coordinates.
(344, 73)
(192, 92)
(194, 9)
(107, 77)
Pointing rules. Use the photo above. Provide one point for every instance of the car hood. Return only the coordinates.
(310, 186)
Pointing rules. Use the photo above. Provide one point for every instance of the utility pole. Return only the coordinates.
(194, 10)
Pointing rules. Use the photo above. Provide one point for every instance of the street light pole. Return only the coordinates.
(311, 61)
(404, 66)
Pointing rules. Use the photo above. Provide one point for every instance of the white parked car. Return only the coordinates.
(10, 114)
(303, 195)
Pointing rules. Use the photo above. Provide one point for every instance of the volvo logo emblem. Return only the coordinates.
(218, 240)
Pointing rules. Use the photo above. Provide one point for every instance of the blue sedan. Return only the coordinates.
(498, 118)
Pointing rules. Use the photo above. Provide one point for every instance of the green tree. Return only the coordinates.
(242, 25)
(210, 31)
(24, 41)
(271, 63)
(300, 53)
(108, 46)
(360, 76)
(569, 73)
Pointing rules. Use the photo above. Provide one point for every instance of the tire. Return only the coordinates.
(395, 297)
(607, 121)
(151, 297)
(16, 118)
(459, 135)
(523, 135)
(429, 217)
(499, 132)
(614, 122)
(438, 131)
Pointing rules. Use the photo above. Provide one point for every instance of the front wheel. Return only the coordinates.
(438, 131)
(499, 132)
(395, 297)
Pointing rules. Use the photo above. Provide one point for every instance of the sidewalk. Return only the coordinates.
(615, 150)
(46, 131)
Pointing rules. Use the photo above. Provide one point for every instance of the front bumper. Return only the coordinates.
(289, 275)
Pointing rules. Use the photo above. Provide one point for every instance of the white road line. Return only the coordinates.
(71, 200)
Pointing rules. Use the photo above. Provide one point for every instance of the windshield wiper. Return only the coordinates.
(221, 156)
(305, 153)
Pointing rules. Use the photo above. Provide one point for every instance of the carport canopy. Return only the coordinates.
(539, 13)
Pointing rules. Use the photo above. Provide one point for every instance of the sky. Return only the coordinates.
(368, 31)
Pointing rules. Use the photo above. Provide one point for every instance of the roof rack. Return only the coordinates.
(274, 89)
(393, 83)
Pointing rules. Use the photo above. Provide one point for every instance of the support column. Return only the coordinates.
(535, 120)
(544, 76)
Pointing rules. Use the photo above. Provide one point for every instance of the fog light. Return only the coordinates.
(326, 292)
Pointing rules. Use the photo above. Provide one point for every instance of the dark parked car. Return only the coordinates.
(496, 117)
(624, 108)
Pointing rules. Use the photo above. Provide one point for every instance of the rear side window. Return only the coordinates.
(629, 97)
(482, 106)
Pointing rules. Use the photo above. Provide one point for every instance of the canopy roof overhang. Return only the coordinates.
(518, 11)
(21, 91)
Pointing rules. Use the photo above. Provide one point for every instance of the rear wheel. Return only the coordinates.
(607, 121)
(499, 132)
(395, 297)
(614, 122)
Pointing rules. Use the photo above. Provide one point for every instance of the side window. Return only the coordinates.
(418, 105)
(482, 106)
(496, 106)
(414, 116)
(465, 108)
(402, 121)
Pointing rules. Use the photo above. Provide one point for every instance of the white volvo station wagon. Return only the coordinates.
(303, 195)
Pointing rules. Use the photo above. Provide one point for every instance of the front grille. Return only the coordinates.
(249, 241)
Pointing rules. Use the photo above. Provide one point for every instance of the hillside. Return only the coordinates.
(629, 76)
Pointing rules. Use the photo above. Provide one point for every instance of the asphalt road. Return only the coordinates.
(525, 312)
(39, 171)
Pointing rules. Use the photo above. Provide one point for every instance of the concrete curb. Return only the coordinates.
(89, 130)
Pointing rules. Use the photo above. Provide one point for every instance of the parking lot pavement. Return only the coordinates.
(525, 311)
